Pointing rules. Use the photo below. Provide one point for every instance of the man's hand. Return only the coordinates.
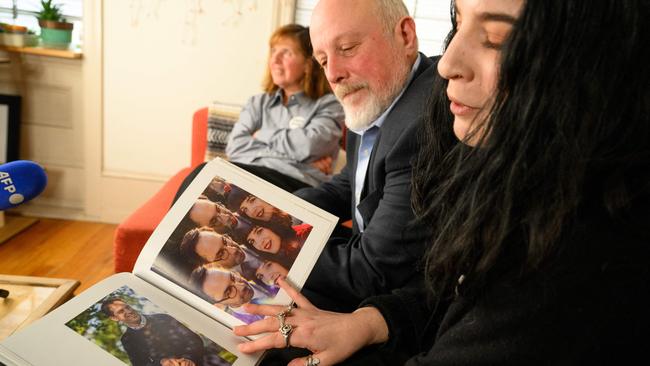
(176, 362)
(323, 164)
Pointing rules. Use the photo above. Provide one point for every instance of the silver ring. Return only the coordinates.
(284, 313)
(285, 330)
(312, 361)
(280, 317)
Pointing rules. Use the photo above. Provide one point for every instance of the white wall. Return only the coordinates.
(111, 128)
(165, 59)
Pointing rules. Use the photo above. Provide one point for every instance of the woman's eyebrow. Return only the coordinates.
(490, 16)
(497, 17)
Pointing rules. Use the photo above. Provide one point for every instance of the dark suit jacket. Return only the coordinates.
(162, 337)
(383, 257)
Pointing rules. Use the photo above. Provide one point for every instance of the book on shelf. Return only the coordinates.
(222, 244)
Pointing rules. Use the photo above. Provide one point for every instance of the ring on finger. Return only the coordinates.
(285, 312)
(281, 317)
(312, 361)
(285, 330)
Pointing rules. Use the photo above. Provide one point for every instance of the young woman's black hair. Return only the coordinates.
(569, 131)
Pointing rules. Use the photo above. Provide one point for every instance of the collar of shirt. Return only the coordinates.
(293, 99)
(379, 121)
(143, 322)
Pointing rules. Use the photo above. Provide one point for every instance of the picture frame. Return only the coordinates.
(29, 299)
(10, 114)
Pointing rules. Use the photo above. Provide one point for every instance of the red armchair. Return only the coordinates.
(135, 230)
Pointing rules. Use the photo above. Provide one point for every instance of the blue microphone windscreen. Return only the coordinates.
(20, 180)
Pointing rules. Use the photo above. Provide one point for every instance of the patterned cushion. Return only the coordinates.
(221, 118)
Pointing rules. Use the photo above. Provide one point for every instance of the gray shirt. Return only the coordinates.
(288, 137)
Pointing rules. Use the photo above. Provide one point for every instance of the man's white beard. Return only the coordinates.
(360, 117)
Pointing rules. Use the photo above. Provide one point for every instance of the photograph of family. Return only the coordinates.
(139, 333)
(231, 247)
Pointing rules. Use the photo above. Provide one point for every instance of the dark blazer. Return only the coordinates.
(162, 337)
(384, 256)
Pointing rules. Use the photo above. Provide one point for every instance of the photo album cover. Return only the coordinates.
(223, 243)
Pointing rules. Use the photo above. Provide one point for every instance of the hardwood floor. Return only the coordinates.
(61, 249)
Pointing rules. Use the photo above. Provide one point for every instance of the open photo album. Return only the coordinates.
(223, 243)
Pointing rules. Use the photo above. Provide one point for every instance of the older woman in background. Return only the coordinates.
(289, 135)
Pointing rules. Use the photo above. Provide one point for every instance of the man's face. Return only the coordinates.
(124, 313)
(366, 66)
(264, 240)
(220, 186)
(227, 288)
(256, 208)
(217, 248)
(208, 213)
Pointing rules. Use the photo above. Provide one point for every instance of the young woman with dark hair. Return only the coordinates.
(262, 212)
(539, 238)
(282, 246)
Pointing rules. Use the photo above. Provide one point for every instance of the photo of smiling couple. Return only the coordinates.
(231, 247)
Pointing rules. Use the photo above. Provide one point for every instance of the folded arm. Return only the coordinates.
(318, 138)
(241, 140)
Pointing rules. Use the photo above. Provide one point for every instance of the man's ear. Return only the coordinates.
(113, 318)
(405, 33)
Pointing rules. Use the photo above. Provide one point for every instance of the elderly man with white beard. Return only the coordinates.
(369, 52)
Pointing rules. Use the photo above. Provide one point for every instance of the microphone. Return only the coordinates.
(20, 180)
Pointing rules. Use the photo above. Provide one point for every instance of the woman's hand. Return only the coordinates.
(331, 337)
(323, 164)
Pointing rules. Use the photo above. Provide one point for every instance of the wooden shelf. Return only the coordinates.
(51, 52)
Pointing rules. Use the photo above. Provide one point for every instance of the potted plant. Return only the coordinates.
(55, 31)
(17, 36)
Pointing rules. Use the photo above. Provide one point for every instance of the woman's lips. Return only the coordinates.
(267, 245)
(460, 109)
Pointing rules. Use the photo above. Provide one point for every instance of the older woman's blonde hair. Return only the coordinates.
(314, 84)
